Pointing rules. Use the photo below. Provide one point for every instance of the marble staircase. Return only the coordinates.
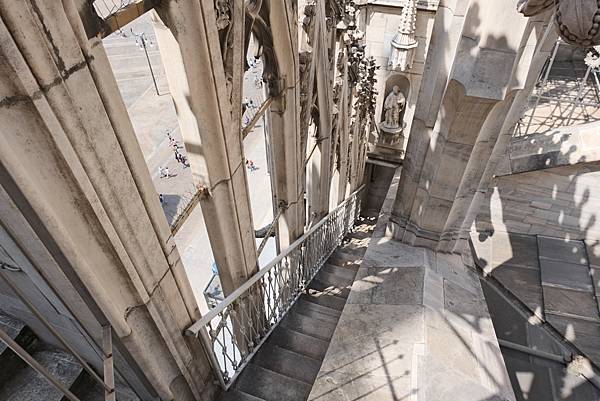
(286, 366)
(20, 382)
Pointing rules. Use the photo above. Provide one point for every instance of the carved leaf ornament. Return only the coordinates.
(577, 21)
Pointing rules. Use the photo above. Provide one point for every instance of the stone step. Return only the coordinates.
(22, 335)
(288, 363)
(324, 299)
(354, 246)
(348, 273)
(344, 259)
(313, 327)
(324, 310)
(28, 385)
(307, 309)
(271, 386)
(298, 342)
(330, 289)
(236, 395)
(92, 391)
(326, 277)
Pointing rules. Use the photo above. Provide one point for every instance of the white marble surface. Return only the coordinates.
(415, 327)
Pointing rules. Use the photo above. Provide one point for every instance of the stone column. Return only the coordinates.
(324, 101)
(447, 29)
(344, 130)
(211, 133)
(79, 199)
(488, 66)
(538, 50)
(284, 123)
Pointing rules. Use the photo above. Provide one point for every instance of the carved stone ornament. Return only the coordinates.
(404, 43)
(592, 59)
(393, 106)
(578, 21)
(223, 9)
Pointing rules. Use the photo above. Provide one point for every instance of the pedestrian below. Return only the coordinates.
(161, 198)
(252, 166)
(161, 172)
(167, 172)
(183, 161)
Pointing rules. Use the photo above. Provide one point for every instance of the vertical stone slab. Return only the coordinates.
(207, 102)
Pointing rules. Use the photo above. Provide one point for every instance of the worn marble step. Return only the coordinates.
(312, 306)
(330, 289)
(313, 327)
(22, 335)
(324, 299)
(271, 386)
(288, 363)
(344, 259)
(92, 391)
(348, 273)
(307, 309)
(298, 342)
(236, 395)
(28, 385)
(326, 277)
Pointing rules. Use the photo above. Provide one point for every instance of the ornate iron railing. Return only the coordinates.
(233, 331)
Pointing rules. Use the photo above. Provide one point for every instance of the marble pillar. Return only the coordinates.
(78, 198)
(211, 134)
(491, 63)
(284, 124)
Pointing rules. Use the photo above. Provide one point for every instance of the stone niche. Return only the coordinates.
(391, 135)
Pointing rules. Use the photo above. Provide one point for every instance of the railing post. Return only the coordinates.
(109, 373)
(24, 355)
(208, 347)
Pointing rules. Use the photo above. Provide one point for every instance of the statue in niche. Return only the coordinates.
(393, 106)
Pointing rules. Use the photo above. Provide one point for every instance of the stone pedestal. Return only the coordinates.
(390, 144)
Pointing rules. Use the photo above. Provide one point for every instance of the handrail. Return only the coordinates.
(195, 328)
(233, 331)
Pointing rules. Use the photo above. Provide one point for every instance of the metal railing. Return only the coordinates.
(106, 381)
(232, 332)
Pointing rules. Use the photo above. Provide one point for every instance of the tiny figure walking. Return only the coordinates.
(167, 173)
(161, 198)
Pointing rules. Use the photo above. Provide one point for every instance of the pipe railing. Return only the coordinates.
(234, 330)
(106, 382)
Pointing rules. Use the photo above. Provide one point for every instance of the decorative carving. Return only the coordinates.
(533, 7)
(592, 59)
(223, 9)
(308, 22)
(578, 21)
(404, 43)
(393, 106)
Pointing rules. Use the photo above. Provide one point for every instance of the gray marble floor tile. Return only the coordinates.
(514, 249)
(461, 301)
(568, 301)
(559, 249)
(385, 252)
(391, 286)
(566, 275)
(369, 338)
(525, 284)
